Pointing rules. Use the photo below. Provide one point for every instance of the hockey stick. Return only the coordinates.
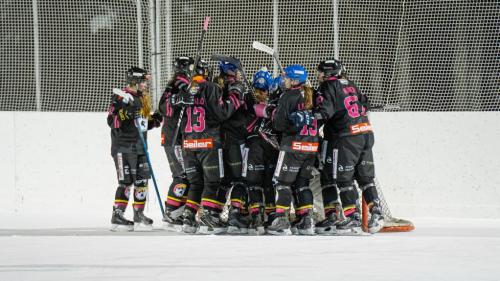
(264, 48)
(128, 98)
(145, 147)
(198, 57)
(236, 62)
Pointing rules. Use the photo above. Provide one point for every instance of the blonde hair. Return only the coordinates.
(260, 96)
(308, 95)
(146, 104)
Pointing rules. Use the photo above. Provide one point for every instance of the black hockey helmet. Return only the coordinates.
(202, 68)
(136, 75)
(332, 67)
(184, 65)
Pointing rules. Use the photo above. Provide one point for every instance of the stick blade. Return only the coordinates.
(262, 47)
(224, 58)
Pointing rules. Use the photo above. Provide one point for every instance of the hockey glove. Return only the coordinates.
(155, 120)
(181, 83)
(301, 118)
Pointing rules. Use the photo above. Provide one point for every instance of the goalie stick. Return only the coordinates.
(264, 48)
(128, 98)
(198, 57)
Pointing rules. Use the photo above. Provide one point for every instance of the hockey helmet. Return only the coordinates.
(184, 65)
(296, 72)
(136, 75)
(332, 67)
(227, 68)
(202, 68)
(262, 80)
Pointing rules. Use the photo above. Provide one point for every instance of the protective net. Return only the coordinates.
(84, 50)
(406, 55)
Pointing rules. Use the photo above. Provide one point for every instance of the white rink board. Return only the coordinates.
(429, 165)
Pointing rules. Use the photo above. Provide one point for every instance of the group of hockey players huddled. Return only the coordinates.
(249, 145)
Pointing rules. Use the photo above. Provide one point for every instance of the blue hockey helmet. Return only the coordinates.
(262, 80)
(278, 83)
(296, 72)
(227, 68)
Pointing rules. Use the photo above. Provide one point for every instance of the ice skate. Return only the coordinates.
(279, 226)
(141, 222)
(172, 219)
(189, 224)
(328, 226)
(119, 222)
(350, 226)
(211, 223)
(237, 223)
(376, 222)
(269, 220)
(303, 225)
(256, 226)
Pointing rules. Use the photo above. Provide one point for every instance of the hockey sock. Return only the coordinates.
(256, 198)
(283, 198)
(304, 200)
(370, 193)
(238, 195)
(330, 197)
(209, 197)
(121, 196)
(177, 195)
(348, 196)
(140, 194)
(194, 197)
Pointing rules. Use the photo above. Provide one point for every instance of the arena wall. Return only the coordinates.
(58, 166)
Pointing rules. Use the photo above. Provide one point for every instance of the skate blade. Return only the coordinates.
(209, 231)
(309, 231)
(189, 229)
(257, 231)
(121, 228)
(377, 228)
(236, 230)
(143, 227)
(331, 230)
(172, 227)
(355, 231)
(283, 232)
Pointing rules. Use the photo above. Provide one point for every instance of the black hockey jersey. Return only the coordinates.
(201, 123)
(233, 128)
(124, 132)
(302, 141)
(343, 108)
(170, 113)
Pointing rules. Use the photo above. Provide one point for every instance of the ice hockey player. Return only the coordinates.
(261, 154)
(127, 114)
(170, 110)
(202, 151)
(234, 134)
(350, 141)
(299, 144)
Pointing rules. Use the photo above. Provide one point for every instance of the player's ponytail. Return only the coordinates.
(146, 104)
(308, 96)
(260, 96)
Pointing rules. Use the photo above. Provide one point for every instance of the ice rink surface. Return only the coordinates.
(439, 249)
